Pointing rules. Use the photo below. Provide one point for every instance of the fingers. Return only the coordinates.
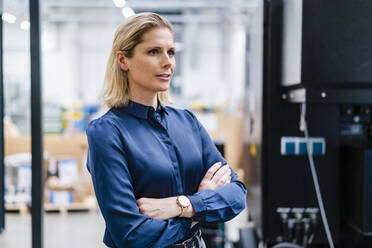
(228, 179)
(225, 179)
(219, 175)
(212, 170)
(141, 203)
(159, 208)
(215, 177)
(145, 207)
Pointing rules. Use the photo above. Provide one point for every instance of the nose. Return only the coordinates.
(166, 61)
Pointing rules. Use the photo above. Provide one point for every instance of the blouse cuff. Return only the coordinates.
(197, 203)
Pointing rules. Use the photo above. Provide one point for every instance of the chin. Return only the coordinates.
(163, 87)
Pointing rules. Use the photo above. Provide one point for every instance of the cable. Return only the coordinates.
(303, 127)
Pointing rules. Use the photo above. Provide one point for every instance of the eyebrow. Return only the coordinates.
(158, 47)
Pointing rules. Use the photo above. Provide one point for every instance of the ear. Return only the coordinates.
(122, 61)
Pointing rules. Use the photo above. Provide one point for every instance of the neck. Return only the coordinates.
(145, 99)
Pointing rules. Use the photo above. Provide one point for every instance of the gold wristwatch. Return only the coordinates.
(184, 203)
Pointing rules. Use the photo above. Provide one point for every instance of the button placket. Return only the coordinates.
(158, 117)
(164, 136)
(155, 119)
(172, 154)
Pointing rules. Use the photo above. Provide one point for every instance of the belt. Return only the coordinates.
(194, 241)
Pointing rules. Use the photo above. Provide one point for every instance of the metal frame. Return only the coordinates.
(2, 166)
(329, 95)
(36, 127)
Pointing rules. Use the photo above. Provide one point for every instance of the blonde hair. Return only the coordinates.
(128, 35)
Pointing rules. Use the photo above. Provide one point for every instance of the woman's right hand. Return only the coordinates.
(215, 177)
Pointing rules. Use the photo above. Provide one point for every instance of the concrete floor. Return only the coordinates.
(76, 229)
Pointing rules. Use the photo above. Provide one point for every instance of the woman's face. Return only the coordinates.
(151, 67)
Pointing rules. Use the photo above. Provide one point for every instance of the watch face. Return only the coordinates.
(184, 201)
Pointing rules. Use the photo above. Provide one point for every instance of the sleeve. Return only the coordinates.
(114, 191)
(224, 203)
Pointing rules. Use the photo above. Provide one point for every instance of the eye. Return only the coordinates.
(153, 52)
(171, 53)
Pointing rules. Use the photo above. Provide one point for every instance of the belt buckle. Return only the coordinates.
(191, 240)
(186, 243)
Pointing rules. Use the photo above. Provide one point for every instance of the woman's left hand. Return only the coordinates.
(216, 176)
(162, 208)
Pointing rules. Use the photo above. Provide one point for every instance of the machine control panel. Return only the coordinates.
(299, 225)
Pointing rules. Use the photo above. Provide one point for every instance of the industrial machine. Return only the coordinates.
(310, 154)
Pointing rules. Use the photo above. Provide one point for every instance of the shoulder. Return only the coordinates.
(184, 113)
(183, 116)
(101, 127)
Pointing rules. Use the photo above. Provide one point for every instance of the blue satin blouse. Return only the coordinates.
(136, 151)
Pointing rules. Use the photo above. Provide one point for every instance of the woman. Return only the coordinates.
(156, 172)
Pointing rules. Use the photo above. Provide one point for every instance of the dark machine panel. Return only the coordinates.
(329, 55)
(335, 82)
(357, 187)
(337, 38)
(287, 181)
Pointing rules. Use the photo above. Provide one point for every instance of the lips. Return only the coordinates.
(164, 76)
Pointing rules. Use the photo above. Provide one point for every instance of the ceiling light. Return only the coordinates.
(25, 25)
(119, 3)
(127, 12)
(9, 17)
